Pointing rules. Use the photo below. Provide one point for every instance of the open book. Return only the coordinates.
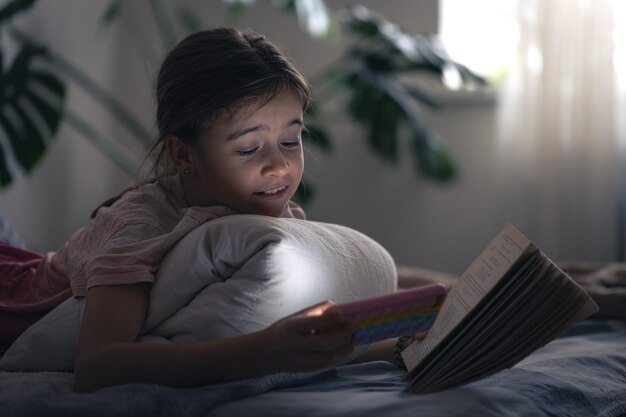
(511, 301)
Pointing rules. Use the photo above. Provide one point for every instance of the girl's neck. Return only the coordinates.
(193, 196)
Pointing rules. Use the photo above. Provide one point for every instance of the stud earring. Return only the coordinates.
(187, 171)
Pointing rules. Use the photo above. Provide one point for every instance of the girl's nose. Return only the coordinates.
(275, 164)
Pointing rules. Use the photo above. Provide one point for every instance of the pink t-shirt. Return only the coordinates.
(126, 242)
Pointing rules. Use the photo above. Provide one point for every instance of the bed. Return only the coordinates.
(582, 373)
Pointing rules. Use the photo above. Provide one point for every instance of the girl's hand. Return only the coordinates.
(314, 338)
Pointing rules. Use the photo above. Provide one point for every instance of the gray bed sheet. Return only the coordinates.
(583, 373)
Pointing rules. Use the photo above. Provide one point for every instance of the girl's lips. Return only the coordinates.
(274, 193)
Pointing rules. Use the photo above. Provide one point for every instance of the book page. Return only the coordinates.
(481, 276)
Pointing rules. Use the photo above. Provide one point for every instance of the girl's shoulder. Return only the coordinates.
(167, 191)
(159, 204)
(124, 241)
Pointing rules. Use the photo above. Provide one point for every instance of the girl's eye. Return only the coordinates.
(291, 143)
(247, 152)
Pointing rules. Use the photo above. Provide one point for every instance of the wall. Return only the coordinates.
(421, 223)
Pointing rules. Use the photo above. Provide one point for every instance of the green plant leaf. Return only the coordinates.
(384, 128)
(31, 107)
(375, 109)
(53, 93)
(382, 104)
(386, 47)
(362, 101)
(5, 175)
(111, 13)
(49, 81)
(433, 161)
(11, 133)
(384, 36)
(36, 141)
(14, 7)
(313, 16)
(361, 21)
(423, 96)
(381, 98)
(50, 113)
(26, 141)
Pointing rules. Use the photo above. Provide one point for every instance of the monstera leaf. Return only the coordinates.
(14, 7)
(31, 102)
(31, 108)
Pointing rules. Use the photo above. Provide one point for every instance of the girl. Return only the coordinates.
(229, 115)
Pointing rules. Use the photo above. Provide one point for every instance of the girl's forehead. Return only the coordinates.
(285, 105)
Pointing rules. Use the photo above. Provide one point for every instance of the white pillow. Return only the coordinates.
(233, 275)
(242, 273)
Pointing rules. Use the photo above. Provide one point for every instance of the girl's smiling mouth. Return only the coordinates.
(277, 192)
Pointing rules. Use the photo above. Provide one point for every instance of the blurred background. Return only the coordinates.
(436, 122)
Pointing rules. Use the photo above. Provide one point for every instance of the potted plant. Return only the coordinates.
(373, 80)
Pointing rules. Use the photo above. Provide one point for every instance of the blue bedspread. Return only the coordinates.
(583, 373)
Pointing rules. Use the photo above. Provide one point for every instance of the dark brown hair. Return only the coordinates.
(212, 72)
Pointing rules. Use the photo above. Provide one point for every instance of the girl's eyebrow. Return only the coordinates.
(241, 132)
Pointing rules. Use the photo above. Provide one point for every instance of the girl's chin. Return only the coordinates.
(275, 211)
(271, 208)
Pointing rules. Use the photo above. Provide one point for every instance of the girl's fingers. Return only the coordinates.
(330, 342)
(315, 310)
(329, 321)
(321, 333)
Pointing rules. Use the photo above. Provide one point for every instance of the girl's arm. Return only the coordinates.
(108, 353)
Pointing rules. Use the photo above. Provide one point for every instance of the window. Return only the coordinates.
(481, 34)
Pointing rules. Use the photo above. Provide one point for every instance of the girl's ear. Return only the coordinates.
(180, 154)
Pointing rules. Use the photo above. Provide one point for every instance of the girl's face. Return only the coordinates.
(251, 160)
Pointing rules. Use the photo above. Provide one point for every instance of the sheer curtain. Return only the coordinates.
(559, 131)
(561, 110)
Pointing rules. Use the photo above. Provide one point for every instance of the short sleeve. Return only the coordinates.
(131, 255)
